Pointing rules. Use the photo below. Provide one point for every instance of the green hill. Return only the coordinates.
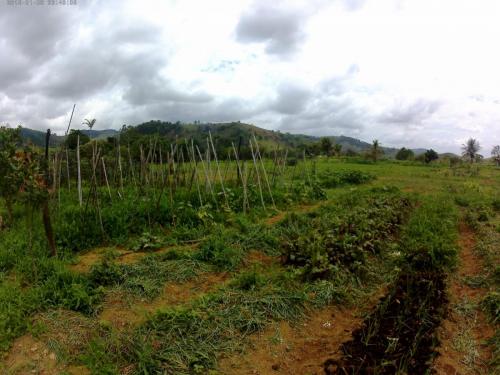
(223, 134)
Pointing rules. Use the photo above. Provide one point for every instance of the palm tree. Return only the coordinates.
(375, 151)
(470, 149)
(495, 153)
(89, 123)
(337, 149)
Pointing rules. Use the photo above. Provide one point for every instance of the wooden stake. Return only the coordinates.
(258, 176)
(264, 171)
(106, 176)
(80, 198)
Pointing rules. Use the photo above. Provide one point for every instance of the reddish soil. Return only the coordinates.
(404, 322)
(29, 355)
(284, 349)
(451, 360)
(258, 257)
(123, 313)
(94, 256)
(300, 209)
(298, 349)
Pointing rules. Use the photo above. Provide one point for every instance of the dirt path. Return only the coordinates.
(300, 209)
(122, 313)
(86, 260)
(299, 349)
(464, 332)
(283, 349)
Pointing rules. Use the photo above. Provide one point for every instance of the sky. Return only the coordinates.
(414, 73)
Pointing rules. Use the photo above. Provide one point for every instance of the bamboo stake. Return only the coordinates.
(264, 170)
(207, 177)
(132, 174)
(120, 165)
(195, 173)
(80, 198)
(218, 169)
(67, 169)
(258, 176)
(106, 176)
(242, 177)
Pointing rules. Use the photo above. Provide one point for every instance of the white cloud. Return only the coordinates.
(417, 73)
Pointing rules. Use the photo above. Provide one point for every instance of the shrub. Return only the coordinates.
(491, 304)
(341, 235)
(333, 179)
(216, 251)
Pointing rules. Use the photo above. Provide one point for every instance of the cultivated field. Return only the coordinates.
(205, 266)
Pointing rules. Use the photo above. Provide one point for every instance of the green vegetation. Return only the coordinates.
(241, 244)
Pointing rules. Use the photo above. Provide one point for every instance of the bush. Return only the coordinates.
(430, 235)
(491, 304)
(332, 179)
(216, 251)
(341, 234)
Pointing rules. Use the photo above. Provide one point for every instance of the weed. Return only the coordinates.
(491, 304)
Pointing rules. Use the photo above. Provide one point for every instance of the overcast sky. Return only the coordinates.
(419, 73)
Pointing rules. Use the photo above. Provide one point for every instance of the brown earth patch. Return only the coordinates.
(472, 328)
(122, 311)
(86, 260)
(300, 209)
(299, 349)
(65, 335)
(284, 349)
(30, 356)
(258, 257)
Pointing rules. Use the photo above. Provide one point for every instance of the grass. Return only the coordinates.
(400, 334)
(41, 295)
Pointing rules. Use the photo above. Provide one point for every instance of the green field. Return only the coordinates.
(220, 270)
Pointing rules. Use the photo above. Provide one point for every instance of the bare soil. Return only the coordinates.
(452, 360)
(86, 260)
(284, 349)
(300, 209)
(28, 354)
(122, 312)
(299, 349)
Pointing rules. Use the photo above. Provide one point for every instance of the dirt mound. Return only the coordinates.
(400, 333)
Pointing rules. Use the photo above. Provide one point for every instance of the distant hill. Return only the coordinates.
(224, 133)
(37, 137)
(101, 134)
(231, 132)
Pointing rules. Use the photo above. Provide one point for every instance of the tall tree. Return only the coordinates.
(470, 149)
(404, 154)
(326, 146)
(89, 123)
(375, 150)
(430, 155)
(337, 149)
(495, 153)
(9, 167)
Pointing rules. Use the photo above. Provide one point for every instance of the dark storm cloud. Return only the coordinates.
(410, 113)
(291, 99)
(106, 60)
(35, 31)
(332, 108)
(30, 37)
(153, 91)
(280, 28)
(49, 71)
(232, 109)
(339, 84)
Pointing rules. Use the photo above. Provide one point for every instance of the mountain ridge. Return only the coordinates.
(228, 132)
